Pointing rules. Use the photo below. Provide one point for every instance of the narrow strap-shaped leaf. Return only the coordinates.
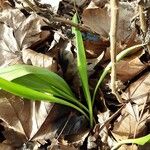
(82, 66)
(16, 71)
(35, 83)
(31, 94)
(139, 141)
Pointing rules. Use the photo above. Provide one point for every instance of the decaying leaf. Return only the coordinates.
(7, 41)
(138, 92)
(127, 125)
(38, 59)
(129, 68)
(17, 33)
(27, 120)
(98, 19)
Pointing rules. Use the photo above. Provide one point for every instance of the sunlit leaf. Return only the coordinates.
(140, 141)
(82, 66)
(31, 94)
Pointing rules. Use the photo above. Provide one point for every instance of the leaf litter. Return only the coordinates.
(26, 38)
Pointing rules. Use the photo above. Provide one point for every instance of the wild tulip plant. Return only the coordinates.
(35, 83)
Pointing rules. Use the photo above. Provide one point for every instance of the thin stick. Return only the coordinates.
(113, 40)
(142, 19)
(143, 24)
(52, 18)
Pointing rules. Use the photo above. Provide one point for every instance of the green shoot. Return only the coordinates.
(140, 141)
(82, 67)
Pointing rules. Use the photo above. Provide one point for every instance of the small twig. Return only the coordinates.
(142, 19)
(112, 117)
(113, 41)
(69, 117)
(143, 24)
(52, 18)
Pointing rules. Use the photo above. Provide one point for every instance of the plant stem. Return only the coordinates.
(113, 41)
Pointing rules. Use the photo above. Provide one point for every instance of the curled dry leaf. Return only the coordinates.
(38, 59)
(12, 18)
(17, 33)
(29, 31)
(7, 41)
(9, 49)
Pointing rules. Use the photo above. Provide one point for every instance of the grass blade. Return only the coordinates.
(82, 67)
(31, 94)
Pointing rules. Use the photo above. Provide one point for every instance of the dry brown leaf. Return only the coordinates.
(7, 40)
(139, 91)
(127, 125)
(98, 19)
(129, 68)
(9, 49)
(6, 147)
(4, 4)
(12, 18)
(38, 59)
(29, 31)
(17, 33)
(28, 120)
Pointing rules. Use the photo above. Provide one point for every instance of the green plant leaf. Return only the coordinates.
(16, 71)
(82, 66)
(140, 141)
(31, 94)
(28, 77)
(36, 83)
